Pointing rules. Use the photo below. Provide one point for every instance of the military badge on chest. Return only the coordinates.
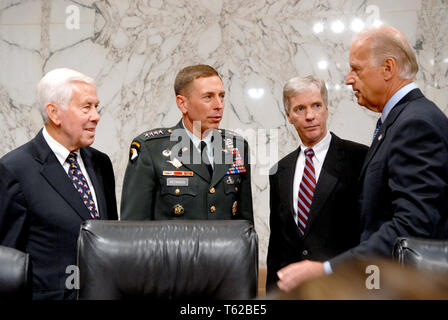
(178, 210)
(238, 163)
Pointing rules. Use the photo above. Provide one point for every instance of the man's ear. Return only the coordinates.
(390, 68)
(288, 116)
(53, 113)
(181, 102)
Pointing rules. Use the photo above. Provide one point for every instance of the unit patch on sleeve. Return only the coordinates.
(135, 150)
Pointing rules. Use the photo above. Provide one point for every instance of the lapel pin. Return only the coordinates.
(380, 137)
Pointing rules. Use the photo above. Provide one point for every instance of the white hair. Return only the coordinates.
(57, 87)
(299, 84)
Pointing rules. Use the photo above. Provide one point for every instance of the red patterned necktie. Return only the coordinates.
(81, 185)
(306, 190)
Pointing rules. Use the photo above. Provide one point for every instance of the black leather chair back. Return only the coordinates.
(187, 259)
(427, 254)
(13, 273)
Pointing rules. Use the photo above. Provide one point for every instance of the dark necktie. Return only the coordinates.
(205, 158)
(80, 183)
(377, 128)
(306, 190)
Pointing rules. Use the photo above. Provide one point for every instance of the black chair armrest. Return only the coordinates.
(425, 254)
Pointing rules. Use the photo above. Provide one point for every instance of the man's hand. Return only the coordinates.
(296, 273)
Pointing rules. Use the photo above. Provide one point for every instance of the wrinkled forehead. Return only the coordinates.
(83, 91)
(360, 50)
(213, 83)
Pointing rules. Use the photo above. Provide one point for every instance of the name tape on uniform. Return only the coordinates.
(177, 182)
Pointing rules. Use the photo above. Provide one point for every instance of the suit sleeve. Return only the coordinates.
(417, 180)
(246, 189)
(272, 262)
(111, 199)
(139, 187)
(13, 211)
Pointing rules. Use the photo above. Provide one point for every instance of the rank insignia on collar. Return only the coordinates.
(175, 162)
(166, 152)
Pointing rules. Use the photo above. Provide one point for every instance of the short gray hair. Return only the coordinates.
(299, 84)
(57, 87)
(389, 42)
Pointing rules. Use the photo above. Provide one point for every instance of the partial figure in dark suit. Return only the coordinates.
(404, 190)
(50, 185)
(192, 170)
(313, 208)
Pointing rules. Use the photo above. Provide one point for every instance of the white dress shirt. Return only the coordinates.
(62, 153)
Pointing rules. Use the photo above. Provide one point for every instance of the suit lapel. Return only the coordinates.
(328, 179)
(393, 115)
(55, 175)
(95, 179)
(195, 164)
(223, 161)
(286, 173)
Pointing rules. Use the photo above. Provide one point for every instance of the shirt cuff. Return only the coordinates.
(327, 268)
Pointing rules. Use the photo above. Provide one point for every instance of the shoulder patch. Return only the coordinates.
(134, 151)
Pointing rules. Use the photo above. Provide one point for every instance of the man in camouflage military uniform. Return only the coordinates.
(193, 170)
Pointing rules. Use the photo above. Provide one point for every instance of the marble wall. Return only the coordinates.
(135, 48)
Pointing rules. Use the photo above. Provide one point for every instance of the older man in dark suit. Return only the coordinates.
(404, 189)
(50, 185)
(313, 189)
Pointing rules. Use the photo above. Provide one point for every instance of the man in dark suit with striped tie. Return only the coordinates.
(404, 179)
(50, 185)
(312, 189)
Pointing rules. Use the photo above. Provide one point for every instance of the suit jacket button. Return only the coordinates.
(212, 190)
(305, 252)
(212, 209)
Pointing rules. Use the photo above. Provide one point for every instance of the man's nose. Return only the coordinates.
(95, 116)
(349, 79)
(219, 104)
(310, 114)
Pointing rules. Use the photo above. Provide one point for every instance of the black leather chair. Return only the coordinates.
(13, 273)
(187, 259)
(425, 254)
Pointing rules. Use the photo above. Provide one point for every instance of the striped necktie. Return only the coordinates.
(80, 183)
(306, 190)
